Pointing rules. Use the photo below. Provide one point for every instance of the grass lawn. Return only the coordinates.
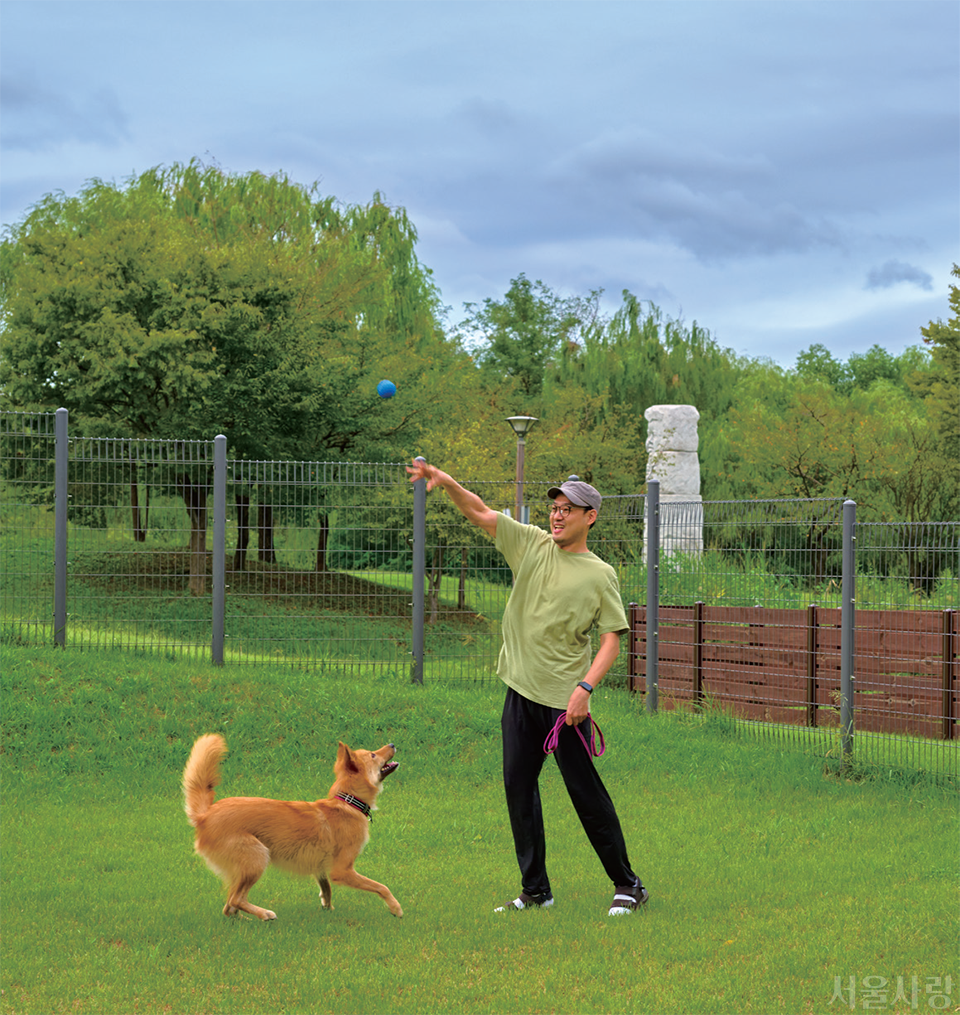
(775, 886)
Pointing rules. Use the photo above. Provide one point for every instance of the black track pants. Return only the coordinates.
(525, 726)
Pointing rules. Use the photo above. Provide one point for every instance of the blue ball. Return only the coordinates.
(386, 389)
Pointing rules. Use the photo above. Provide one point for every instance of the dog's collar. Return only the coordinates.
(354, 802)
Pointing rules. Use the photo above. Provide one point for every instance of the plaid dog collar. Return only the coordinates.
(354, 802)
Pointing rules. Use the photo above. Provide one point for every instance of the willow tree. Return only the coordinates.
(190, 302)
(641, 357)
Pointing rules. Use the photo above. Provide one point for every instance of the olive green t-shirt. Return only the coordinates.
(558, 597)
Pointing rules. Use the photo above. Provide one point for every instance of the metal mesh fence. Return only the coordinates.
(318, 565)
(137, 558)
(27, 443)
(318, 573)
(749, 613)
(908, 644)
(752, 624)
(467, 586)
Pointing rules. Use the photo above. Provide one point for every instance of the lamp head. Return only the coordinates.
(522, 425)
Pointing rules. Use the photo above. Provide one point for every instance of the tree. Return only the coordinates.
(940, 387)
(861, 370)
(813, 444)
(818, 363)
(808, 440)
(641, 357)
(876, 364)
(519, 336)
(192, 302)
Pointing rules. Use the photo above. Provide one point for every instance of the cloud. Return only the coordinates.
(692, 153)
(35, 118)
(715, 204)
(893, 272)
(627, 153)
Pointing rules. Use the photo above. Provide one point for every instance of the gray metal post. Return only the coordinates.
(419, 573)
(61, 485)
(653, 593)
(848, 587)
(521, 449)
(219, 546)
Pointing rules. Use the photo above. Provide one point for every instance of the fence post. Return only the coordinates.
(419, 573)
(633, 621)
(61, 485)
(653, 592)
(698, 655)
(812, 665)
(219, 546)
(947, 627)
(848, 586)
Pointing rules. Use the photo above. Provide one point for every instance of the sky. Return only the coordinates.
(783, 173)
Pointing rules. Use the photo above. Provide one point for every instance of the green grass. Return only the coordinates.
(769, 877)
(719, 579)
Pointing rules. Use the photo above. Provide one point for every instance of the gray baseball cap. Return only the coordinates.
(577, 492)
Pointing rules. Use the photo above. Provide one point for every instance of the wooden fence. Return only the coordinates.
(783, 666)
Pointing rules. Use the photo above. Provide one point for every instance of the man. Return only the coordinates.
(561, 592)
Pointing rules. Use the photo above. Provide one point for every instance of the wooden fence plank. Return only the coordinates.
(765, 662)
(721, 689)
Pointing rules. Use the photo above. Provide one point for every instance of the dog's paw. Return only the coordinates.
(268, 914)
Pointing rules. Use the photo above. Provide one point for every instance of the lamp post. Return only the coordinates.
(521, 425)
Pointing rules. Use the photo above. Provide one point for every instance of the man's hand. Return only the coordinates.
(422, 470)
(578, 707)
(467, 503)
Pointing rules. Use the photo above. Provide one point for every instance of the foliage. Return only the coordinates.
(796, 437)
(861, 370)
(802, 440)
(640, 357)
(590, 377)
(940, 388)
(191, 302)
(519, 336)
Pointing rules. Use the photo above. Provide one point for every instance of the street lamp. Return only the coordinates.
(521, 425)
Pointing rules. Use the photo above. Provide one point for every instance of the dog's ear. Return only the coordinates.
(345, 760)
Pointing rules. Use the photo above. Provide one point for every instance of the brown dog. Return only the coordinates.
(240, 836)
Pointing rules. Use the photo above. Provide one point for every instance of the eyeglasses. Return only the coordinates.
(564, 511)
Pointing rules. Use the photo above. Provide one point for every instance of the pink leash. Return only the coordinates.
(553, 737)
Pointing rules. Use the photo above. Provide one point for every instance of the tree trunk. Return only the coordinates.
(819, 554)
(265, 550)
(921, 557)
(138, 519)
(462, 588)
(243, 532)
(434, 577)
(323, 537)
(195, 497)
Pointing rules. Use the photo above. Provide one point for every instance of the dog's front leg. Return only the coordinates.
(352, 879)
(326, 896)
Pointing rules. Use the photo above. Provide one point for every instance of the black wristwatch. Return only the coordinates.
(585, 686)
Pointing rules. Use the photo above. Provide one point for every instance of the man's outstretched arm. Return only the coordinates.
(467, 503)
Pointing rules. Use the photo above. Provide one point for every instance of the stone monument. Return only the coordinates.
(672, 458)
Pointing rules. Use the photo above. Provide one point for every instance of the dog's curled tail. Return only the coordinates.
(202, 775)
